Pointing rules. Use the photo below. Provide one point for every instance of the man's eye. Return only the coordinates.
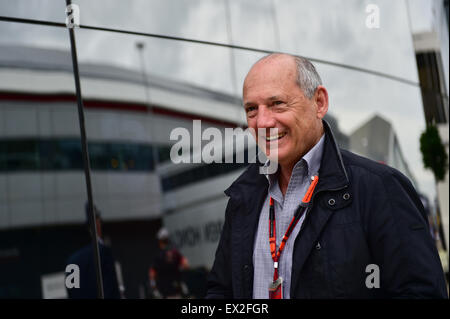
(278, 102)
(251, 108)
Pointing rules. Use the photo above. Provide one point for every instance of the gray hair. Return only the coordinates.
(307, 77)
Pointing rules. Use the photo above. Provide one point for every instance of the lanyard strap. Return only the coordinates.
(272, 225)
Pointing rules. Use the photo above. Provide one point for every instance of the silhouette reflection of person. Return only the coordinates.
(165, 272)
(84, 258)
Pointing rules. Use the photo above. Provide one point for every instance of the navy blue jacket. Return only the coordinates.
(363, 213)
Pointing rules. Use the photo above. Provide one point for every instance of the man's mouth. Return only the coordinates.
(271, 138)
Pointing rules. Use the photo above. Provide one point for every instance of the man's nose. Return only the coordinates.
(265, 118)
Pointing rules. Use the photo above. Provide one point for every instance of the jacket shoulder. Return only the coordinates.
(251, 178)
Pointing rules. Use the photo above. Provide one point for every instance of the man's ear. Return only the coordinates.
(321, 100)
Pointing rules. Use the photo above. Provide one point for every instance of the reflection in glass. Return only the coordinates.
(132, 106)
(42, 218)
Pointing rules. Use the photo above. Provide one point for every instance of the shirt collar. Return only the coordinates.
(312, 159)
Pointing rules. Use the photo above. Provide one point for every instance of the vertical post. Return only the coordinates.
(87, 170)
(155, 157)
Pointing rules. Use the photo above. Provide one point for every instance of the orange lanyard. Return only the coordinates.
(272, 225)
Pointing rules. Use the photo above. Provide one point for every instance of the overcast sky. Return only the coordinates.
(331, 30)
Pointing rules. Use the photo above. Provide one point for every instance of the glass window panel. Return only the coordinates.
(255, 24)
(47, 10)
(68, 154)
(42, 185)
(137, 90)
(198, 19)
(21, 155)
(102, 157)
(339, 34)
(184, 82)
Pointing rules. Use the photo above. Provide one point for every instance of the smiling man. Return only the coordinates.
(314, 227)
(273, 98)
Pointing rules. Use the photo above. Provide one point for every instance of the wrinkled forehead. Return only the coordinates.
(271, 73)
(272, 69)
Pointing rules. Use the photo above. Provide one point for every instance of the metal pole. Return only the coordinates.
(140, 46)
(87, 169)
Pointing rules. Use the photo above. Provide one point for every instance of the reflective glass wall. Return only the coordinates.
(41, 171)
(148, 68)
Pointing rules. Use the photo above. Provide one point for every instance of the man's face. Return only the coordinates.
(272, 99)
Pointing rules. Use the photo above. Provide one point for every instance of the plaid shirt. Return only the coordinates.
(284, 211)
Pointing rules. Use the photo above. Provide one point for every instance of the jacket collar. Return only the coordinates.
(332, 173)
